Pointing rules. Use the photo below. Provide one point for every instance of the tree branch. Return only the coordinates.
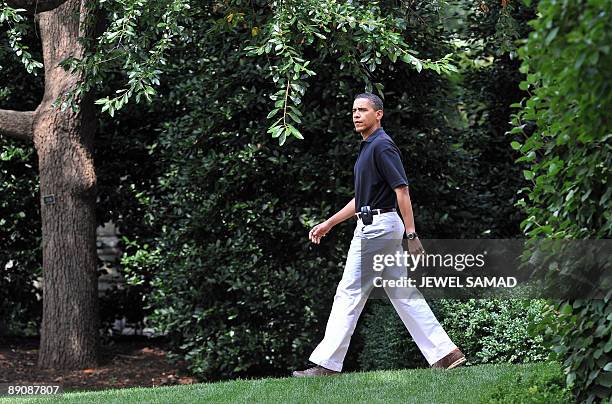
(36, 6)
(17, 124)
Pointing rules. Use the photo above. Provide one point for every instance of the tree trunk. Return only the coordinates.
(64, 143)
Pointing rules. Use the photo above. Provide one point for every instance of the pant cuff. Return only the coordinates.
(327, 364)
(440, 356)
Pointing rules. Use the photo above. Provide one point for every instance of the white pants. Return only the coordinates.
(353, 291)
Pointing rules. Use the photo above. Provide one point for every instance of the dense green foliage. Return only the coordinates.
(386, 343)
(360, 36)
(579, 332)
(20, 252)
(544, 387)
(568, 158)
(494, 330)
(487, 331)
(130, 50)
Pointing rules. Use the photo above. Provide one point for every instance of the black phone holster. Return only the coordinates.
(366, 215)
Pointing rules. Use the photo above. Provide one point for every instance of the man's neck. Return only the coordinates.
(366, 135)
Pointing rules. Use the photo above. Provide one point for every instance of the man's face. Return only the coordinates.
(365, 118)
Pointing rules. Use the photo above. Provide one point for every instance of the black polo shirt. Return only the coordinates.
(378, 170)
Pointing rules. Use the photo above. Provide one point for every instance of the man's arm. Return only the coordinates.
(322, 229)
(405, 206)
(346, 212)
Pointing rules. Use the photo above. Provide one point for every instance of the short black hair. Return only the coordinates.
(377, 103)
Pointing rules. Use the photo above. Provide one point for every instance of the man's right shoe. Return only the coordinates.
(315, 371)
(452, 360)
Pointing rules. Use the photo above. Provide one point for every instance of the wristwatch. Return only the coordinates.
(412, 235)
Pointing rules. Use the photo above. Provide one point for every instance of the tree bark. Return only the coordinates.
(64, 143)
(16, 124)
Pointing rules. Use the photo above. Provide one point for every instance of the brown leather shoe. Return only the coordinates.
(452, 360)
(315, 371)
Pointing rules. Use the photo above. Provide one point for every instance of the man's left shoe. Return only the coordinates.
(452, 360)
(315, 371)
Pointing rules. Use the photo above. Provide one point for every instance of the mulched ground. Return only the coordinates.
(127, 362)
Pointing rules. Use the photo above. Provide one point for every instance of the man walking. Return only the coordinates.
(380, 187)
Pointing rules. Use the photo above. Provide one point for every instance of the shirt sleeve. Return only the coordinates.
(389, 163)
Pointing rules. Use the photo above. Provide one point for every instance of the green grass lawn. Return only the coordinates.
(461, 385)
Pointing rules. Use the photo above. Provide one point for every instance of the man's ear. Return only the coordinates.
(379, 114)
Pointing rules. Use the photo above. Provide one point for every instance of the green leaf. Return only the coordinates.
(276, 131)
(551, 36)
(294, 117)
(272, 113)
(571, 377)
(566, 309)
(604, 379)
(291, 129)
(417, 64)
(295, 110)
(580, 60)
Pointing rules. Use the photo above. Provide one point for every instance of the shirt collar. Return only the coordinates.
(374, 135)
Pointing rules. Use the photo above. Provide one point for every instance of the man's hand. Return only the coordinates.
(415, 247)
(319, 231)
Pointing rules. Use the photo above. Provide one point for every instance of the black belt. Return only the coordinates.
(376, 212)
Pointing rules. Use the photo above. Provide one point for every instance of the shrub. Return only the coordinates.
(580, 333)
(568, 158)
(486, 330)
(386, 342)
(544, 387)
